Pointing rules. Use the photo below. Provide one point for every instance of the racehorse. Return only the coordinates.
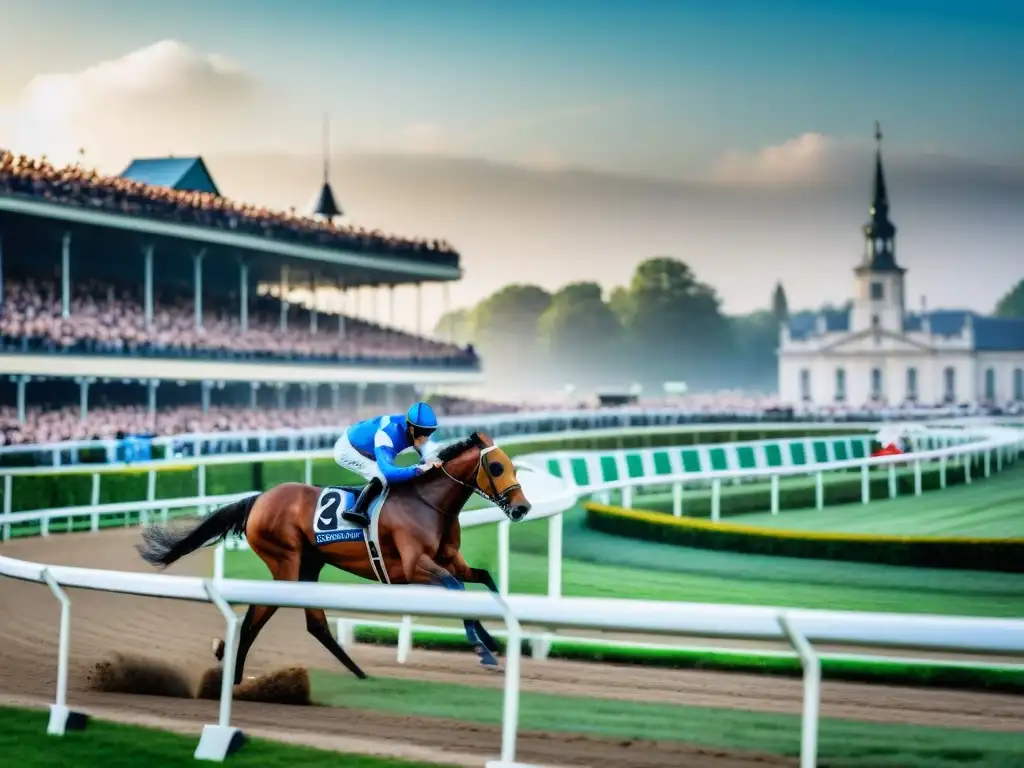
(418, 532)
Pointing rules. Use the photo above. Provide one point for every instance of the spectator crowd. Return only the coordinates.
(55, 425)
(108, 319)
(75, 186)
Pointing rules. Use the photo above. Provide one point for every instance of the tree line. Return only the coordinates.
(665, 325)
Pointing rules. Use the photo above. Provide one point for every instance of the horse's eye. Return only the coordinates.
(496, 468)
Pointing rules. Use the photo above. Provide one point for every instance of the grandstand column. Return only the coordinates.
(21, 382)
(312, 311)
(314, 395)
(197, 276)
(389, 396)
(281, 396)
(151, 386)
(1, 272)
(254, 388)
(341, 313)
(243, 293)
(391, 305)
(148, 280)
(419, 309)
(284, 296)
(206, 386)
(446, 301)
(360, 397)
(65, 275)
(83, 395)
(335, 396)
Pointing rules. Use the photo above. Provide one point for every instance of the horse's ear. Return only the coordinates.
(478, 440)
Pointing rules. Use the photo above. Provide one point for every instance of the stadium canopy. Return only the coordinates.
(182, 173)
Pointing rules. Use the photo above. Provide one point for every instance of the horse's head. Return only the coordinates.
(493, 475)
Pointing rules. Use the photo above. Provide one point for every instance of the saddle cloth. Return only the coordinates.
(330, 527)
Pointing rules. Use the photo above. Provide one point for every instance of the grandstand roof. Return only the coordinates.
(182, 173)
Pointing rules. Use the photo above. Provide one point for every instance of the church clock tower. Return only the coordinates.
(879, 295)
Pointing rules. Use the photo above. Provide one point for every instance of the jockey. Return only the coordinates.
(369, 449)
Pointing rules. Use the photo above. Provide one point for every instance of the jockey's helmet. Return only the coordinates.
(421, 418)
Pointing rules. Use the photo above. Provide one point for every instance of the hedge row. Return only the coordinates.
(840, 487)
(937, 674)
(44, 492)
(1004, 555)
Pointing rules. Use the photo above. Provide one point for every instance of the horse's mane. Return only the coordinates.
(454, 450)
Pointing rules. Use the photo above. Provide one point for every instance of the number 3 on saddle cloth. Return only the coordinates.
(330, 527)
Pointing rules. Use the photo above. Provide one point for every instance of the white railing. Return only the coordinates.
(200, 463)
(800, 628)
(498, 425)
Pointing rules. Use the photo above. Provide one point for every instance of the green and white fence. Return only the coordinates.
(597, 473)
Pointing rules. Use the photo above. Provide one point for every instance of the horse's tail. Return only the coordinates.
(162, 546)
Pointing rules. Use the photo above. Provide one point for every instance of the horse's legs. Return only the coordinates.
(255, 619)
(285, 569)
(421, 568)
(316, 619)
(462, 570)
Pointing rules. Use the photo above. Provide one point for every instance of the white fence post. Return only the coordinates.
(865, 484)
(819, 490)
(918, 485)
(503, 546)
(716, 499)
(677, 499)
(775, 494)
(892, 481)
(404, 639)
(309, 471)
(510, 708)
(95, 501)
(8, 505)
(219, 741)
(812, 693)
(62, 719)
(218, 561)
(150, 495)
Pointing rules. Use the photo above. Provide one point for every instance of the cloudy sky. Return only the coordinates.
(561, 141)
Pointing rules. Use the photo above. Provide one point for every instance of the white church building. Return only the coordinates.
(878, 353)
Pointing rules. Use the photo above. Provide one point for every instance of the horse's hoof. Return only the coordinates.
(218, 649)
(487, 659)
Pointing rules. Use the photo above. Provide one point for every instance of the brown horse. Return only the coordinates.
(419, 536)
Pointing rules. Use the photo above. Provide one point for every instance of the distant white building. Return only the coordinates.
(878, 353)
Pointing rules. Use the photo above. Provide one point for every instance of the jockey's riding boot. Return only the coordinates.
(358, 513)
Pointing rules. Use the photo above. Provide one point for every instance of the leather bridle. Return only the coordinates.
(498, 499)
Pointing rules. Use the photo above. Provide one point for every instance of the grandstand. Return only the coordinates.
(150, 290)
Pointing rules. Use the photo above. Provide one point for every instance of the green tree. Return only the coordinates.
(579, 333)
(455, 326)
(755, 336)
(509, 315)
(676, 329)
(1012, 304)
(780, 305)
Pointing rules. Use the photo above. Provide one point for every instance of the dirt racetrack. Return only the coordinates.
(180, 633)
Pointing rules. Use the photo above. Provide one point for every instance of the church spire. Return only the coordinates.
(880, 204)
(879, 232)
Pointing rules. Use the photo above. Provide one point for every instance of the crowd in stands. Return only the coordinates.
(105, 319)
(82, 188)
(53, 425)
